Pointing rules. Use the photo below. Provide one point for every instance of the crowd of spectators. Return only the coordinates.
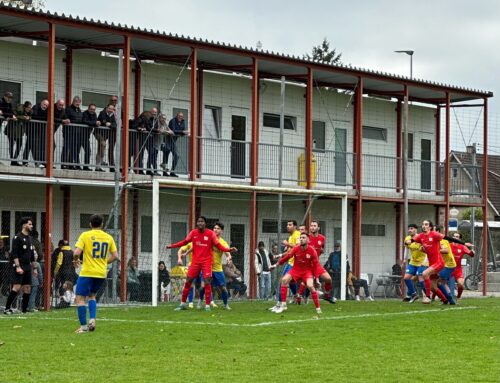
(150, 134)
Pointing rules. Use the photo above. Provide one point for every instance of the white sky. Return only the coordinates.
(455, 41)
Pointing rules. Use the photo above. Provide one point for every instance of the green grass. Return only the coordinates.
(382, 341)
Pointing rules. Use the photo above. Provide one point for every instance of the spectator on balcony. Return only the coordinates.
(60, 118)
(36, 134)
(73, 135)
(161, 138)
(15, 130)
(178, 126)
(112, 133)
(6, 108)
(145, 124)
(89, 118)
(107, 121)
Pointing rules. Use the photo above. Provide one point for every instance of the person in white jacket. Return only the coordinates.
(262, 269)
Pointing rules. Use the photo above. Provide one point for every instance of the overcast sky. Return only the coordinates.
(455, 41)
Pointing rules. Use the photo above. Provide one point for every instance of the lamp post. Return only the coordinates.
(405, 143)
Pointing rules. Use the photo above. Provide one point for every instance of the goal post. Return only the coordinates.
(159, 216)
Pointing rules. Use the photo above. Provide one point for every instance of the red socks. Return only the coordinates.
(440, 294)
(185, 291)
(314, 295)
(328, 288)
(283, 291)
(208, 293)
(460, 289)
(302, 288)
(427, 283)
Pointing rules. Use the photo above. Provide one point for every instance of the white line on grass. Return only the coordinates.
(260, 324)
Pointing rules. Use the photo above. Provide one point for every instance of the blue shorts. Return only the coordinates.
(218, 278)
(412, 270)
(421, 270)
(87, 286)
(445, 274)
(286, 269)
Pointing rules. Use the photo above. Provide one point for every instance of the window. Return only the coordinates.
(85, 220)
(212, 121)
(369, 230)
(148, 104)
(184, 112)
(273, 121)
(14, 88)
(410, 146)
(318, 134)
(146, 234)
(374, 133)
(41, 95)
(100, 99)
(269, 226)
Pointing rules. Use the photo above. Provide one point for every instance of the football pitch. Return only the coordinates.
(381, 341)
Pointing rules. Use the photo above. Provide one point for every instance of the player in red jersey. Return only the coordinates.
(317, 241)
(203, 240)
(458, 252)
(305, 263)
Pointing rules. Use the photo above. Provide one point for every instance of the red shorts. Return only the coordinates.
(302, 275)
(195, 268)
(458, 273)
(438, 266)
(319, 271)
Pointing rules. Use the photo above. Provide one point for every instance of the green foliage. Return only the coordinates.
(324, 53)
(351, 342)
(35, 4)
(478, 214)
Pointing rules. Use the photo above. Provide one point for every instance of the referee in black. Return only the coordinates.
(23, 258)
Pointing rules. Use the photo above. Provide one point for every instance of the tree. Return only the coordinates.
(35, 4)
(478, 214)
(324, 54)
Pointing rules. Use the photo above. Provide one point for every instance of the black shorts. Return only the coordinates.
(20, 279)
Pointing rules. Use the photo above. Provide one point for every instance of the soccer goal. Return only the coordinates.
(166, 206)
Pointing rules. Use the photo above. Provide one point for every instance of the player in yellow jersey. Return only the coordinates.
(415, 266)
(98, 249)
(218, 280)
(293, 240)
(445, 274)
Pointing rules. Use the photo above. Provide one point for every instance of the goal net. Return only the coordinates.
(162, 210)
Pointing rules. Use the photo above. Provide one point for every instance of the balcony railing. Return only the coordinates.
(82, 147)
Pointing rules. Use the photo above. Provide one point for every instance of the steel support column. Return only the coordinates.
(192, 116)
(192, 209)
(438, 151)
(125, 165)
(447, 166)
(135, 223)
(485, 247)
(358, 129)
(309, 139)
(68, 86)
(137, 87)
(199, 126)
(253, 244)
(254, 157)
(399, 146)
(49, 161)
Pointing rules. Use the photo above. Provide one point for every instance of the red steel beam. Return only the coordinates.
(358, 128)
(447, 166)
(192, 115)
(438, 149)
(192, 208)
(123, 245)
(135, 223)
(253, 244)
(309, 153)
(137, 87)
(179, 41)
(34, 34)
(199, 126)
(399, 147)
(50, 157)
(254, 148)
(485, 246)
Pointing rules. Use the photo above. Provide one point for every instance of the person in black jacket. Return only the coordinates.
(6, 108)
(145, 124)
(61, 118)
(64, 269)
(89, 118)
(73, 135)
(23, 259)
(15, 130)
(163, 278)
(107, 121)
(36, 133)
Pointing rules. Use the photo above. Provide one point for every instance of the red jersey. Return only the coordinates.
(317, 243)
(304, 260)
(459, 251)
(431, 242)
(202, 241)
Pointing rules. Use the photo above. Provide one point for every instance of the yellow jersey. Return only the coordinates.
(293, 240)
(449, 259)
(217, 262)
(96, 246)
(417, 256)
(185, 248)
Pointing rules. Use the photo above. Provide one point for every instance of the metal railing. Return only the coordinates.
(465, 180)
(380, 171)
(269, 162)
(424, 176)
(225, 158)
(333, 168)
